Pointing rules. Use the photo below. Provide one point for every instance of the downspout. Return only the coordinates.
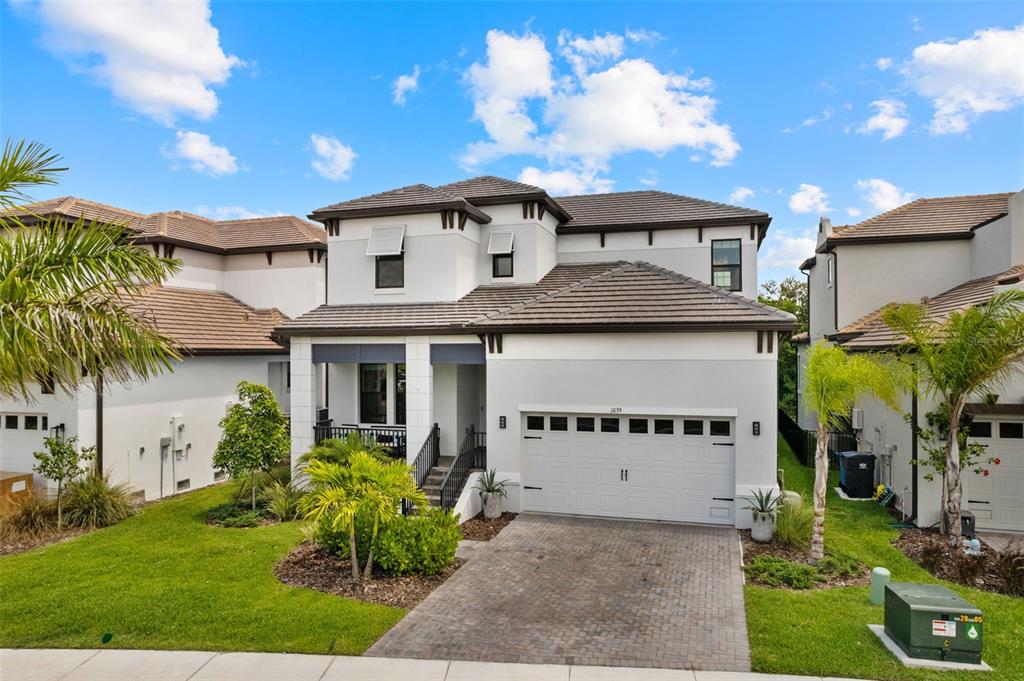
(835, 289)
(913, 452)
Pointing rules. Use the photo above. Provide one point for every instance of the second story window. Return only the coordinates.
(830, 274)
(726, 256)
(386, 246)
(499, 247)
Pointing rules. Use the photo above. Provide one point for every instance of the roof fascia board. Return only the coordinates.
(675, 224)
(476, 215)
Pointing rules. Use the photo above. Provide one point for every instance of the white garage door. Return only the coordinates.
(997, 499)
(649, 467)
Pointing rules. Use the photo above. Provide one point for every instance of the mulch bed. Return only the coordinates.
(8, 548)
(753, 549)
(479, 528)
(930, 549)
(310, 567)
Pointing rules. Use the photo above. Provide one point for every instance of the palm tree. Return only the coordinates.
(69, 293)
(340, 449)
(366, 490)
(972, 352)
(835, 382)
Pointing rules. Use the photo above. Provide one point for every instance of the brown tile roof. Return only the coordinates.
(948, 217)
(73, 207)
(209, 322)
(802, 337)
(871, 332)
(651, 208)
(411, 199)
(590, 212)
(233, 236)
(638, 296)
(612, 296)
(279, 232)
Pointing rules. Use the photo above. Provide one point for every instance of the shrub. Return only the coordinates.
(282, 500)
(968, 568)
(775, 571)
(27, 517)
(933, 554)
(244, 519)
(237, 513)
(839, 564)
(422, 545)
(1009, 566)
(92, 501)
(793, 526)
(340, 449)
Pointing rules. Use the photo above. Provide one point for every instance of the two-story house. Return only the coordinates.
(605, 351)
(238, 280)
(950, 253)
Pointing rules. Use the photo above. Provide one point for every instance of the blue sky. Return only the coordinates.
(798, 109)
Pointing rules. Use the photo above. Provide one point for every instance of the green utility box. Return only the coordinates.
(933, 623)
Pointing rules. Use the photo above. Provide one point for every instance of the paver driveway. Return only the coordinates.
(568, 590)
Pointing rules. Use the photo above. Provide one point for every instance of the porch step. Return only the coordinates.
(432, 483)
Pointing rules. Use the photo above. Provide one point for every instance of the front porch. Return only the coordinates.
(425, 401)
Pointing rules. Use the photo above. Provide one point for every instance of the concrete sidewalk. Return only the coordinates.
(171, 665)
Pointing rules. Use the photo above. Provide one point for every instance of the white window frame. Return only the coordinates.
(495, 245)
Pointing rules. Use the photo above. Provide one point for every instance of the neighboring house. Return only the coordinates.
(239, 279)
(604, 351)
(951, 253)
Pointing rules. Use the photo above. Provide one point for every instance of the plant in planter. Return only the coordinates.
(491, 491)
(763, 506)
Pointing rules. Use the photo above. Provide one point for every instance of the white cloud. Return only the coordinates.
(234, 212)
(592, 115)
(404, 84)
(883, 195)
(970, 77)
(883, 63)
(741, 194)
(159, 58)
(853, 211)
(890, 119)
(650, 178)
(643, 35)
(808, 198)
(566, 182)
(814, 120)
(787, 250)
(203, 155)
(332, 159)
(583, 54)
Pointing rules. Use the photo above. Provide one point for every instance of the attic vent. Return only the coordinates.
(386, 241)
(500, 243)
(184, 484)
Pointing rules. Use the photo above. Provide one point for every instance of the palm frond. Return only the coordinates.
(25, 164)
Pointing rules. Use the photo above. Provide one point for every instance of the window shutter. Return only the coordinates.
(386, 241)
(500, 243)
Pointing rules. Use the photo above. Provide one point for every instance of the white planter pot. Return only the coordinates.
(763, 528)
(492, 506)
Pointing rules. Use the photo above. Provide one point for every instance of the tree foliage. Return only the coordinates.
(967, 354)
(789, 295)
(835, 382)
(368, 491)
(67, 292)
(254, 437)
(340, 450)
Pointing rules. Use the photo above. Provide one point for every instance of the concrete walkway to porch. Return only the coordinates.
(184, 665)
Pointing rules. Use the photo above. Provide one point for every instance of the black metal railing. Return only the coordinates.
(424, 461)
(472, 456)
(795, 437)
(391, 437)
(804, 442)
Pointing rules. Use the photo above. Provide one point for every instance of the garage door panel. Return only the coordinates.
(670, 476)
(997, 499)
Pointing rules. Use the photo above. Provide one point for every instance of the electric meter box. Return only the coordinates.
(931, 622)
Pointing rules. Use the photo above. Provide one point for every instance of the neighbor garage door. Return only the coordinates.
(997, 499)
(629, 466)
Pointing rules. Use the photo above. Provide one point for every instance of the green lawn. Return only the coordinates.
(824, 632)
(164, 579)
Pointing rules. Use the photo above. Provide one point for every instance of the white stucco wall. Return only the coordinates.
(871, 275)
(822, 297)
(17, 446)
(291, 283)
(136, 417)
(534, 251)
(991, 248)
(684, 373)
(199, 269)
(674, 249)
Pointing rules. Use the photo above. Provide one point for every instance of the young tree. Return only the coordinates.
(972, 352)
(836, 381)
(67, 292)
(255, 436)
(367, 489)
(61, 461)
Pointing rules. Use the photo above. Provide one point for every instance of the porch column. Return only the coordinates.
(419, 397)
(303, 397)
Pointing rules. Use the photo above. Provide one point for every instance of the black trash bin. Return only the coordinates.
(857, 474)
